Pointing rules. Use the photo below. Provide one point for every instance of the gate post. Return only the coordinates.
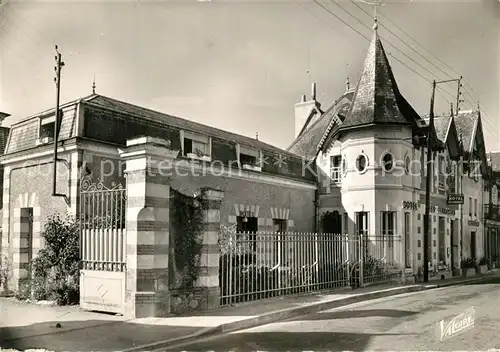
(208, 280)
(148, 170)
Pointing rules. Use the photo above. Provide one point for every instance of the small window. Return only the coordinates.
(344, 165)
(388, 162)
(407, 164)
(249, 158)
(195, 146)
(47, 126)
(361, 163)
(335, 170)
(470, 206)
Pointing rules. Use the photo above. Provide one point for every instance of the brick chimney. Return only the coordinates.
(305, 111)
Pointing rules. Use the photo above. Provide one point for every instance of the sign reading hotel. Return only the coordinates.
(455, 199)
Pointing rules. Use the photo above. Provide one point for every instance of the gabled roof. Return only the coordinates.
(309, 142)
(446, 132)
(466, 122)
(470, 130)
(315, 112)
(377, 99)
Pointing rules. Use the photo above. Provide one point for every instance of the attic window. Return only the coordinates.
(249, 158)
(195, 146)
(47, 126)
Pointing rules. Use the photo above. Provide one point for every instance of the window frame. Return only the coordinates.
(336, 170)
(196, 137)
(44, 121)
(386, 218)
(252, 152)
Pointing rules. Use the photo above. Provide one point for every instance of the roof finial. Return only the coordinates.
(347, 81)
(478, 108)
(93, 86)
(451, 107)
(257, 135)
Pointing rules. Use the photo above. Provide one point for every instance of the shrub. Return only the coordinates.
(5, 274)
(483, 261)
(55, 270)
(468, 263)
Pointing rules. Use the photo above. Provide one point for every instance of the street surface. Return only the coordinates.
(405, 322)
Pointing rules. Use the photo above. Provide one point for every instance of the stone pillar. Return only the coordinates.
(208, 280)
(148, 169)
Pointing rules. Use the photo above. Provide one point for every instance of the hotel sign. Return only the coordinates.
(455, 199)
(444, 210)
(410, 205)
(474, 223)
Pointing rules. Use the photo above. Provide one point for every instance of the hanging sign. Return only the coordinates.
(455, 199)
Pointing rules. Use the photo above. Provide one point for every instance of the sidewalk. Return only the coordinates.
(24, 326)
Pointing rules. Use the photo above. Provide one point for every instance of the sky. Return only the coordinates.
(242, 65)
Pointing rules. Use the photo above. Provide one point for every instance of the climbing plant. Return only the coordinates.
(186, 217)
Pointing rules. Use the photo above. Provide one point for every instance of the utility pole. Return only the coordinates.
(459, 93)
(57, 80)
(430, 140)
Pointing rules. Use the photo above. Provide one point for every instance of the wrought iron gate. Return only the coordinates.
(102, 246)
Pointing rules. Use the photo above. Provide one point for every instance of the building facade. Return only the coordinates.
(372, 169)
(266, 188)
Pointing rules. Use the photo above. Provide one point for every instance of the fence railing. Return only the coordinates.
(102, 224)
(268, 264)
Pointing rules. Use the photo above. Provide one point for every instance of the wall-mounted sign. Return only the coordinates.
(444, 210)
(474, 223)
(410, 205)
(247, 214)
(455, 199)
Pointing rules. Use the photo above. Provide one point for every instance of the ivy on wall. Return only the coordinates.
(186, 220)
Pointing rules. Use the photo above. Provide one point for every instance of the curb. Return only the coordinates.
(289, 313)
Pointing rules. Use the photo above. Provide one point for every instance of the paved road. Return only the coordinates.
(406, 322)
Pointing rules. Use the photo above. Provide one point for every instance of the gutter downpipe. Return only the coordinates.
(316, 196)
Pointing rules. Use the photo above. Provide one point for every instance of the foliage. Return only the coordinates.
(187, 219)
(55, 270)
(483, 261)
(468, 263)
(5, 273)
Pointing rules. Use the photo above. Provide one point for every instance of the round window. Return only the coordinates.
(388, 162)
(407, 164)
(361, 163)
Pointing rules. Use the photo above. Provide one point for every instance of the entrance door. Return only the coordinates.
(454, 247)
(473, 244)
(407, 240)
(361, 219)
(442, 230)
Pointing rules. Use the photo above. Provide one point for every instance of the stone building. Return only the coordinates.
(372, 169)
(266, 188)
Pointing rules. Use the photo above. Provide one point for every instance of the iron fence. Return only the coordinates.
(102, 224)
(267, 264)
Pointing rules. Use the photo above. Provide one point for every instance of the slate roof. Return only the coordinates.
(466, 124)
(377, 99)
(25, 132)
(441, 125)
(307, 144)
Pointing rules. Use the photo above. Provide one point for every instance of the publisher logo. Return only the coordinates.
(459, 324)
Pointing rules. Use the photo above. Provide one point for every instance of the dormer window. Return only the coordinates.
(46, 131)
(195, 146)
(249, 158)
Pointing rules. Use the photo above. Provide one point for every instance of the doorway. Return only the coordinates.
(441, 239)
(407, 240)
(473, 244)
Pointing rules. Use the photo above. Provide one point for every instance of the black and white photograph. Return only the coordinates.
(249, 175)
